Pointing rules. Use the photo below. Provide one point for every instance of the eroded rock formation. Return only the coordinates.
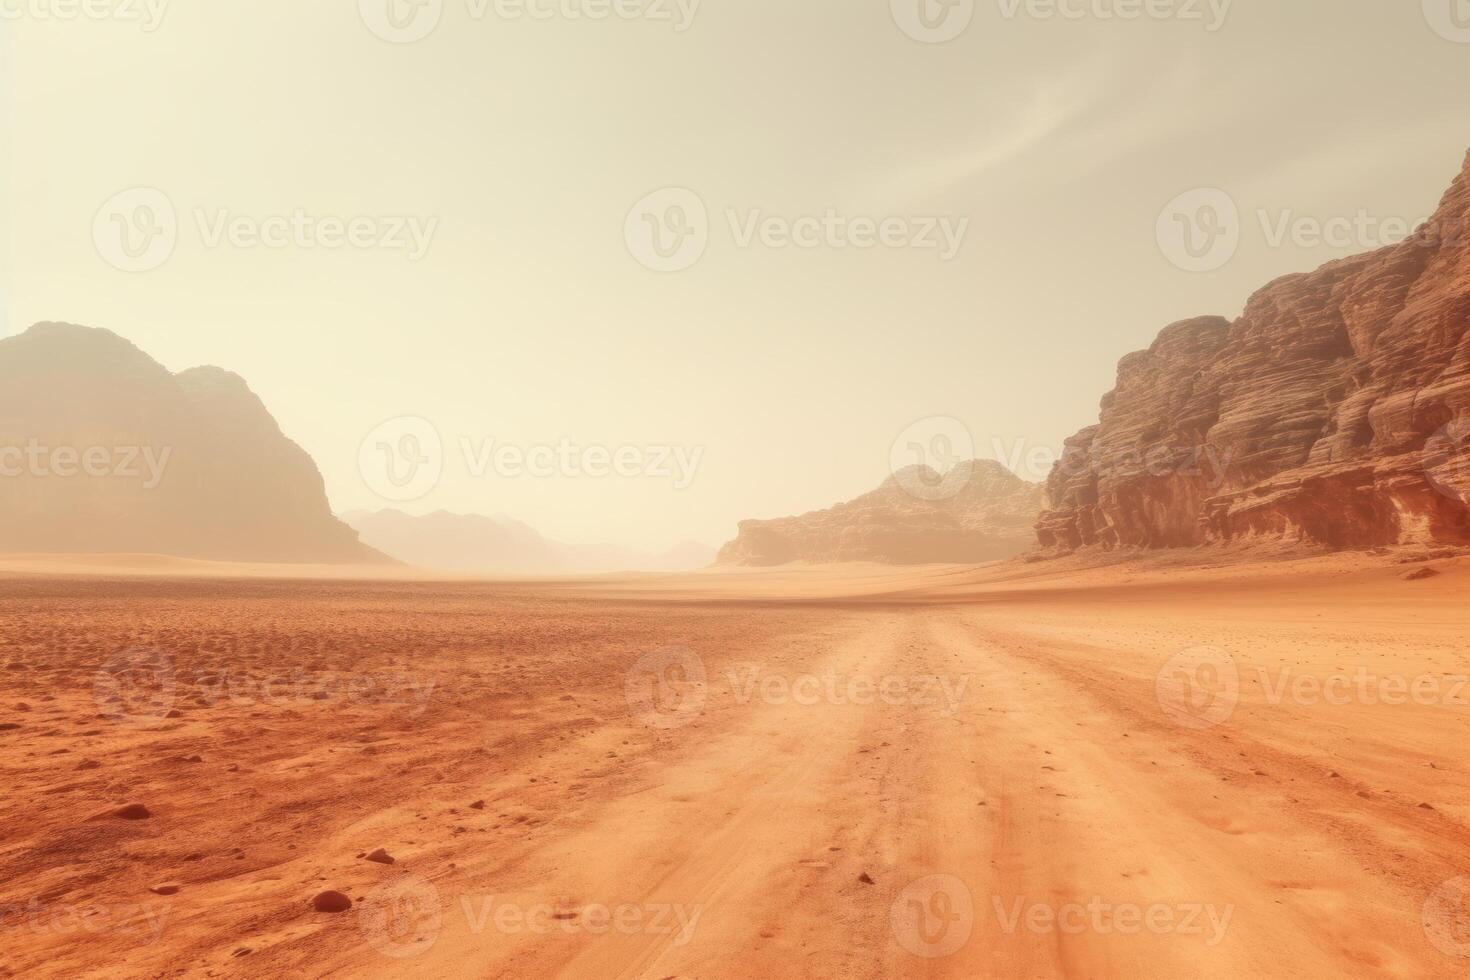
(983, 513)
(1335, 411)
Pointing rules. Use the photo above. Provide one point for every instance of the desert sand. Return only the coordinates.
(1140, 770)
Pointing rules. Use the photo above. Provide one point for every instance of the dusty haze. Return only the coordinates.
(528, 322)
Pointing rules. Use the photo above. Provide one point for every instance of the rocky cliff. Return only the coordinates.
(987, 517)
(102, 449)
(1335, 411)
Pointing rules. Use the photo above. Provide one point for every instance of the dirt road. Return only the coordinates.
(1202, 775)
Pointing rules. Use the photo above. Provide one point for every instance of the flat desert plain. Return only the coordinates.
(1018, 771)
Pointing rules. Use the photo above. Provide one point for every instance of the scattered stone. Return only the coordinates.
(866, 878)
(477, 805)
(9, 726)
(330, 901)
(88, 764)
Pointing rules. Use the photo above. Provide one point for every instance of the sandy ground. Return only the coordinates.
(1143, 770)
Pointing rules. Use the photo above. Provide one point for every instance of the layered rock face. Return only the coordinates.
(1335, 412)
(988, 517)
(103, 450)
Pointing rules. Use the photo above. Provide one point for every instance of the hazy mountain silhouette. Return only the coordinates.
(102, 449)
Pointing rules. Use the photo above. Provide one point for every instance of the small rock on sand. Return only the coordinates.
(381, 856)
(133, 811)
(1419, 574)
(330, 901)
(167, 888)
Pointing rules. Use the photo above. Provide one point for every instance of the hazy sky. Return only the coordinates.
(520, 145)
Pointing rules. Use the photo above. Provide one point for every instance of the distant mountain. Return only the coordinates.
(481, 544)
(103, 450)
(983, 512)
